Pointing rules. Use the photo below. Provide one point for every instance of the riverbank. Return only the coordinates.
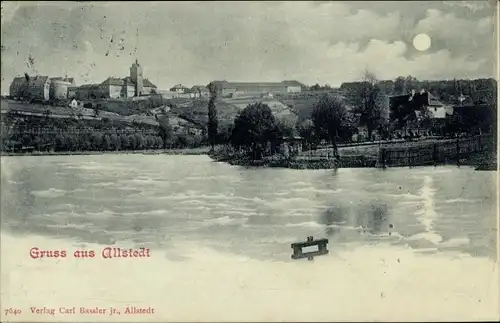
(482, 160)
(183, 151)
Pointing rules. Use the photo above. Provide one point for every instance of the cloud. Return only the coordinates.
(471, 5)
(196, 42)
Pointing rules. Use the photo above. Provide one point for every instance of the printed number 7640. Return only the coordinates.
(12, 311)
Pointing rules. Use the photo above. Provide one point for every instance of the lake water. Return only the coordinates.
(222, 227)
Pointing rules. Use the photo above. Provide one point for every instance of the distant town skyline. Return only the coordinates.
(195, 43)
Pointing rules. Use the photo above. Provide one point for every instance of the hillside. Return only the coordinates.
(303, 103)
(20, 112)
(227, 109)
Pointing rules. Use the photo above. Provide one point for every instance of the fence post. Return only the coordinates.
(434, 153)
(381, 158)
(409, 157)
(458, 151)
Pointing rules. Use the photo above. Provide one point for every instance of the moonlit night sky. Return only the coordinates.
(197, 42)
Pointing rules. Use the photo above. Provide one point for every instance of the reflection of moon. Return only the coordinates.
(422, 42)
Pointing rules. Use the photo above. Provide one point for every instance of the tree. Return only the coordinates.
(158, 142)
(165, 130)
(105, 142)
(96, 141)
(140, 140)
(254, 127)
(115, 142)
(224, 135)
(124, 142)
(329, 116)
(306, 130)
(132, 142)
(286, 127)
(60, 142)
(371, 104)
(400, 86)
(182, 141)
(213, 121)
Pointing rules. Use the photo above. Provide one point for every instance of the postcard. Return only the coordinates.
(249, 161)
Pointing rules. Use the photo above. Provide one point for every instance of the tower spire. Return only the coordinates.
(137, 47)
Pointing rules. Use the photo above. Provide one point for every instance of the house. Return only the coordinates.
(226, 88)
(72, 92)
(294, 86)
(418, 113)
(200, 91)
(114, 88)
(88, 91)
(30, 87)
(73, 104)
(179, 88)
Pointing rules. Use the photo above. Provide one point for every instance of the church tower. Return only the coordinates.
(136, 76)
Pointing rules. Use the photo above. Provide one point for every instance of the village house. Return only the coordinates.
(199, 91)
(88, 92)
(179, 88)
(422, 113)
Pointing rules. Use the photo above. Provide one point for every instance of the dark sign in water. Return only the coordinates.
(298, 248)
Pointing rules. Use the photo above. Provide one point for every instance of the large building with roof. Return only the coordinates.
(226, 88)
(41, 88)
(30, 87)
(113, 87)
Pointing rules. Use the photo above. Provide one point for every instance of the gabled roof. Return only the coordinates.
(232, 85)
(113, 81)
(293, 83)
(202, 88)
(88, 86)
(416, 100)
(432, 101)
(146, 82)
(179, 86)
(126, 80)
(32, 81)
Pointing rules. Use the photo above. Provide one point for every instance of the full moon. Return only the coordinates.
(422, 42)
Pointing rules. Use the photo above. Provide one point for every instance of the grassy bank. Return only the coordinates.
(227, 155)
(485, 160)
(183, 151)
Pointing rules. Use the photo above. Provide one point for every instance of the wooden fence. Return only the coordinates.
(434, 153)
